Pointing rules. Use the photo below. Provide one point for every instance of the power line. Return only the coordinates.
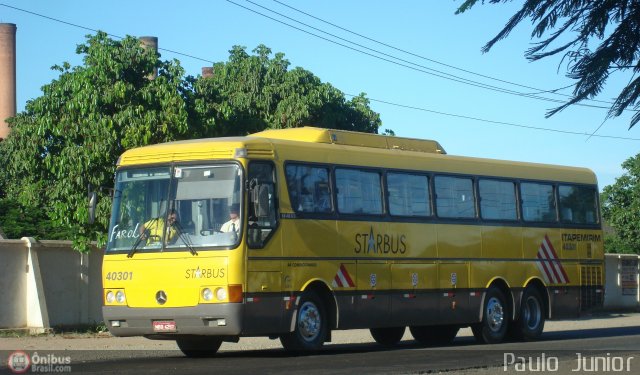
(96, 31)
(495, 122)
(371, 99)
(538, 91)
(427, 71)
(402, 63)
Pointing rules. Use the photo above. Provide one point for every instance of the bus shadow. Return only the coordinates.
(462, 346)
(591, 333)
(465, 343)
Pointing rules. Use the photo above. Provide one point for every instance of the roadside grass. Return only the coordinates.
(87, 330)
(23, 332)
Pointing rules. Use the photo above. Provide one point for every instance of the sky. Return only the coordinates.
(417, 54)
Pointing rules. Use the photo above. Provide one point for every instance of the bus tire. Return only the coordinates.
(530, 324)
(311, 328)
(199, 346)
(434, 335)
(495, 318)
(387, 336)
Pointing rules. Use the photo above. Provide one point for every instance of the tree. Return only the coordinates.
(615, 24)
(70, 137)
(250, 93)
(621, 205)
(18, 220)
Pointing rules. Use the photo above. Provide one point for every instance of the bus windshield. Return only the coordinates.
(176, 208)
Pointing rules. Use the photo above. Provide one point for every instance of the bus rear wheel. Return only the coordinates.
(199, 346)
(311, 328)
(495, 318)
(387, 336)
(530, 324)
(434, 335)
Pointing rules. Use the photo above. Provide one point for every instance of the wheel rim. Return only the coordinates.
(532, 313)
(309, 321)
(495, 314)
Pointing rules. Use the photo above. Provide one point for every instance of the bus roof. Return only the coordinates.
(349, 138)
(348, 148)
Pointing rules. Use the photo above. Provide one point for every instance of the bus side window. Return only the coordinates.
(578, 204)
(263, 216)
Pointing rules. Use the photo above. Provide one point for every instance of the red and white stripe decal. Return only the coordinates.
(342, 278)
(549, 264)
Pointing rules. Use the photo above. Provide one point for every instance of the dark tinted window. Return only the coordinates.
(309, 188)
(408, 194)
(497, 200)
(454, 197)
(578, 204)
(358, 192)
(538, 202)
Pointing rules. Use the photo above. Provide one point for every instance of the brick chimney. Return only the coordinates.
(207, 71)
(7, 76)
(150, 43)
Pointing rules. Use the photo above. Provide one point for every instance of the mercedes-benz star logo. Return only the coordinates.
(161, 297)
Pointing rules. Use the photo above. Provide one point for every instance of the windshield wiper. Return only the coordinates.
(143, 236)
(184, 238)
(134, 248)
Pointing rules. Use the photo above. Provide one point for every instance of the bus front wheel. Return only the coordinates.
(199, 346)
(387, 336)
(495, 318)
(311, 328)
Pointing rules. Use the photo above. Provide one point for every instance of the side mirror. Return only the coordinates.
(262, 204)
(261, 194)
(93, 201)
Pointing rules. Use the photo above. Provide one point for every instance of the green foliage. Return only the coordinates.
(70, 137)
(575, 28)
(621, 208)
(250, 93)
(614, 244)
(18, 221)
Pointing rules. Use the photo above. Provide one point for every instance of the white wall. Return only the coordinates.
(47, 284)
(621, 284)
(13, 284)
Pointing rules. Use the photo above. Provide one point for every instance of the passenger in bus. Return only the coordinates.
(151, 231)
(233, 225)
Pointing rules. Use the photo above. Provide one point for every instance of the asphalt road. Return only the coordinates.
(574, 348)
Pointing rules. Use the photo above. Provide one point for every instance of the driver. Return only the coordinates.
(233, 225)
(152, 229)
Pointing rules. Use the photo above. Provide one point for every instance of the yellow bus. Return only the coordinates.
(294, 233)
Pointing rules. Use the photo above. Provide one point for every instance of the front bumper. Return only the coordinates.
(204, 319)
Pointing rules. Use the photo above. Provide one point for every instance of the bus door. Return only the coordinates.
(264, 297)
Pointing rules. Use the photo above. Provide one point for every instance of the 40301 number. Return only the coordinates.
(116, 276)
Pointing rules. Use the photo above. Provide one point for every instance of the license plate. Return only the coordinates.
(164, 326)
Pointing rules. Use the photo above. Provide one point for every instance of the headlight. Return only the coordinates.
(207, 294)
(221, 294)
(110, 297)
(120, 296)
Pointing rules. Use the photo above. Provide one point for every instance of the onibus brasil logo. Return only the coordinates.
(20, 362)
